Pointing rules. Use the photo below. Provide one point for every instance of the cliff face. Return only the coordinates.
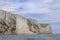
(7, 22)
(37, 28)
(15, 24)
(45, 29)
(21, 25)
(33, 26)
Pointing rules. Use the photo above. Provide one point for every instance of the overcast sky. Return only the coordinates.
(44, 11)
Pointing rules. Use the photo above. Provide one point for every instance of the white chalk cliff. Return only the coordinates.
(16, 24)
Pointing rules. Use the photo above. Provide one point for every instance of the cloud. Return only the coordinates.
(35, 7)
(9, 5)
(30, 6)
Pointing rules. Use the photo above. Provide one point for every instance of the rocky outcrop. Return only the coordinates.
(45, 29)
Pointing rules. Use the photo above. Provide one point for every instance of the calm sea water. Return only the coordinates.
(31, 37)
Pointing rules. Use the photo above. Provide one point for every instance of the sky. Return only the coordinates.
(44, 11)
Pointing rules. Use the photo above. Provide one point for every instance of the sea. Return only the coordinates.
(31, 37)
